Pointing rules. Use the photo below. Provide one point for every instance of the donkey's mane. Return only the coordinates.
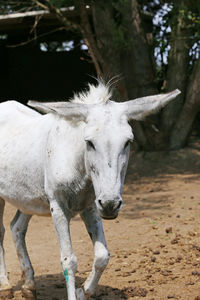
(99, 93)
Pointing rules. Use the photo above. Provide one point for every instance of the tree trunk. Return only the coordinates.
(118, 45)
(136, 59)
(189, 111)
(137, 68)
(129, 56)
(105, 34)
(177, 74)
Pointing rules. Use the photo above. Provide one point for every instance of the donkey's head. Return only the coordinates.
(107, 138)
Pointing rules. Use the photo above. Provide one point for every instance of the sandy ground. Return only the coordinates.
(154, 243)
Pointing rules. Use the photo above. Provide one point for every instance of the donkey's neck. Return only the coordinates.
(71, 154)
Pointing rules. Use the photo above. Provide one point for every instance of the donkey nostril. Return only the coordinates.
(100, 203)
(110, 205)
(119, 205)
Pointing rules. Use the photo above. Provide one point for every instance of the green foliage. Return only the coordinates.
(190, 16)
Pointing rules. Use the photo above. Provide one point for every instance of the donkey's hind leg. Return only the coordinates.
(5, 288)
(19, 228)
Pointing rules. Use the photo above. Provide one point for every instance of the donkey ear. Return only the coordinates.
(65, 109)
(140, 108)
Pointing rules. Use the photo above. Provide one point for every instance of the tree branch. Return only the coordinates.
(35, 38)
(57, 12)
(89, 39)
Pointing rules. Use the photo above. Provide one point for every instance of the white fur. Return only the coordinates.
(95, 94)
(48, 164)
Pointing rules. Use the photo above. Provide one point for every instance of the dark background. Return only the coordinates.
(27, 72)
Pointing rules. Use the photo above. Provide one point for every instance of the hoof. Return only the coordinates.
(6, 294)
(29, 294)
(80, 295)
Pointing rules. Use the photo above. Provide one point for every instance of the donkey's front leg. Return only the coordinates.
(101, 255)
(68, 259)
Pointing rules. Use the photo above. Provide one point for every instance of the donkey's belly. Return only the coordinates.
(37, 206)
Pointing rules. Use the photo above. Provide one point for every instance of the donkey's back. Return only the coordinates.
(23, 134)
(13, 110)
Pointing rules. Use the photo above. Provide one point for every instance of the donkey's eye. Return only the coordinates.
(90, 145)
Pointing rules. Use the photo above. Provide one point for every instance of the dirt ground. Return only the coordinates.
(154, 243)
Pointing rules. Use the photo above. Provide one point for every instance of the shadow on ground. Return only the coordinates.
(151, 164)
(52, 287)
(150, 206)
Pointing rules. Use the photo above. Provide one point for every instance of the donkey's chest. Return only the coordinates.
(75, 201)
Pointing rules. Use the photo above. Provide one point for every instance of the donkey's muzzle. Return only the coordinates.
(109, 208)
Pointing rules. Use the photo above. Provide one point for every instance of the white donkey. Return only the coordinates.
(70, 160)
